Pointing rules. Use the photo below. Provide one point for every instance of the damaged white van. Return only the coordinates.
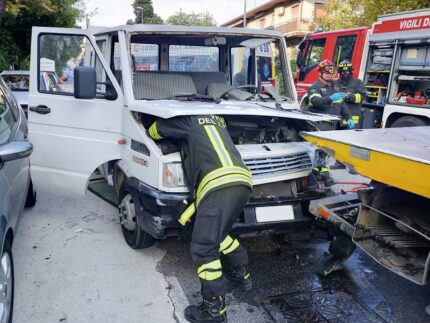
(91, 134)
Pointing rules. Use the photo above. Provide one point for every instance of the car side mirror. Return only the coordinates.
(15, 150)
(85, 82)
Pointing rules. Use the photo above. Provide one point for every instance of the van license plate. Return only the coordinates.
(274, 213)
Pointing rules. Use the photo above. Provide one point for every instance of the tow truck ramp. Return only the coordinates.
(389, 221)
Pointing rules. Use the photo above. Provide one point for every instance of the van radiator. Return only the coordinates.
(262, 167)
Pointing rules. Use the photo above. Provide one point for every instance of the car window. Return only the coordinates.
(12, 102)
(145, 57)
(58, 57)
(344, 48)
(7, 120)
(193, 58)
(315, 52)
(115, 63)
(239, 65)
(17, 82)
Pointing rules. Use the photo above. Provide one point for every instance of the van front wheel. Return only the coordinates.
(135, 237)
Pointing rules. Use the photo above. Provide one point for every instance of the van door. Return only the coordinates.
(71, 137)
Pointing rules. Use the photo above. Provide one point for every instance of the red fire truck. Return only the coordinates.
(392, 58)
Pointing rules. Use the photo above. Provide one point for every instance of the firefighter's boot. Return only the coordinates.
(322, 174)
(239, 277)
(326, 178)
(211, 310)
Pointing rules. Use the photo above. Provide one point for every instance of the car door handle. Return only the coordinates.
(42, 109)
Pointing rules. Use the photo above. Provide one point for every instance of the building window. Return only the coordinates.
(263, 23)
(318, 10)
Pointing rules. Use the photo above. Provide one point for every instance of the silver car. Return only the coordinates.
(15, 189)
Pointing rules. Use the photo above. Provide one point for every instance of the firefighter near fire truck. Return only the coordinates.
(221, 184)
(354, 89)
(323, 98)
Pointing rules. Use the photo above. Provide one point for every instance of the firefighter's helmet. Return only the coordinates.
(345, 65)
(326, 66)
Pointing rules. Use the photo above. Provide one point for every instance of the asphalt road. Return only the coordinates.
(72, 265)
(283, 268)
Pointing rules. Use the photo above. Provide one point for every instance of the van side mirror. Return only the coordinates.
(299, 59)
(15, 150)
(302, 45)
(85, 82)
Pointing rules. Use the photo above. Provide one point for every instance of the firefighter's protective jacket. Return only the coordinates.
(209, 157)
(355, 87)
(320, 102)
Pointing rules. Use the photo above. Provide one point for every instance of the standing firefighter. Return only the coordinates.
(221, 184)
(323, 98)
(354, 89)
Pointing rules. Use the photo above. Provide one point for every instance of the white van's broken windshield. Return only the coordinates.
(203, 66)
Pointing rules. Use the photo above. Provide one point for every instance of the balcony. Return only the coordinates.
(294, 27)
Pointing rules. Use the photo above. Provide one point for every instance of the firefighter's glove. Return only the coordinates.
(350, 97)
(337, 97)
(350, 123)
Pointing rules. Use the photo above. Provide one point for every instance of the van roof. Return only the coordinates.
(175, 29)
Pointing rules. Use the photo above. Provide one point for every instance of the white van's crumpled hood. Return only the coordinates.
(167, 109)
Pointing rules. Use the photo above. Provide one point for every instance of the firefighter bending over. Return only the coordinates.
(221, 184)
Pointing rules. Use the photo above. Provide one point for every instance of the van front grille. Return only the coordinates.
(269, 166)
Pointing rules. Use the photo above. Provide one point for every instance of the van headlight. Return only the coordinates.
(173, 175)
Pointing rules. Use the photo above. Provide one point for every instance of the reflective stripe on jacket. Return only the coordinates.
(209, 156)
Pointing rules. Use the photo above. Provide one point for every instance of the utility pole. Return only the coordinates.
(244, 13)
(141, 10)
(88, 15)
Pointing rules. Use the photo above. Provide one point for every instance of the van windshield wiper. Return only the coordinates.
(183, 97)
(192, 97)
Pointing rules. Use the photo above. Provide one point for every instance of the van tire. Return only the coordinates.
(30, 201)
(136, 238)
(409, 121)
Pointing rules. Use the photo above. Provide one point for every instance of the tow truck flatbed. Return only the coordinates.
(397, 157)
(391, 224)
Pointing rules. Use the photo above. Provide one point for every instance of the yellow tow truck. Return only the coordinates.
(389, 220)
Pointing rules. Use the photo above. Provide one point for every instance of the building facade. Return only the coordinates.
(293, 18)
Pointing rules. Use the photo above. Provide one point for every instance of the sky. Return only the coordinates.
(117, 12)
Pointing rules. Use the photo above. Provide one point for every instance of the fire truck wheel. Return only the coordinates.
(409, 121)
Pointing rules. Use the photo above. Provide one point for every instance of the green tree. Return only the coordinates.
(144, 8)
(21, 15)
(191, 19)
(342, 14)
(2, 8)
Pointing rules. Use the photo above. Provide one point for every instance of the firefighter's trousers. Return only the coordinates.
(211, 241)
